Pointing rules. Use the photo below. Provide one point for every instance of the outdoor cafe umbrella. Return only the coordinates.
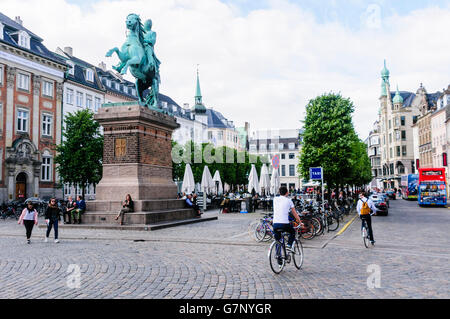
(264, 179)
(217, 181)
(207, 184)
(253, 182)
(275, 182)
(188, 185)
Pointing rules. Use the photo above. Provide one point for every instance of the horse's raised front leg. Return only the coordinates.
(110, 52)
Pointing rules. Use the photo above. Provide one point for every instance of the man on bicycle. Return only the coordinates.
(365, 209)
(282, 207)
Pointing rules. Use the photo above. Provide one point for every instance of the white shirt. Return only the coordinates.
(281, 208)
(369, 202)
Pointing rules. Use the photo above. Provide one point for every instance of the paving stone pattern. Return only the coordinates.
(219, 259)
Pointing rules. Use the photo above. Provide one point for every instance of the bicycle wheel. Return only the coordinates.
(333, 223)
(297, 255)
(268, 234)
(277, 257)
(317, 226)
(365, 236)
(260, 232)
(310, 233)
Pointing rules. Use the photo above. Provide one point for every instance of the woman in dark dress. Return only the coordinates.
(127, 207)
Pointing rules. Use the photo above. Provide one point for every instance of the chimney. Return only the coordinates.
(102, 66)
(186, 105)
(68, 50)
(18, 20)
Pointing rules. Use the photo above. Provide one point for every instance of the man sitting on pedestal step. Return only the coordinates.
(191, 203)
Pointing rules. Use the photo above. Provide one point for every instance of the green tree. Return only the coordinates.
(80, 155)
(361, 169)
(328, 138)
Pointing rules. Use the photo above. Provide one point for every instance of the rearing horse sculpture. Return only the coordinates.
(137, 54)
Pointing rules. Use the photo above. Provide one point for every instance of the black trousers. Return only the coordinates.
(279, 228)
(368, 220)
(29, 224)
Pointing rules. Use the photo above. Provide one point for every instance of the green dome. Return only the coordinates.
(397, 98)
(385, 71)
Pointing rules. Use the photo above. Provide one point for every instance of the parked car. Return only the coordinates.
(391, 194)
(380, 205)
(385, 197)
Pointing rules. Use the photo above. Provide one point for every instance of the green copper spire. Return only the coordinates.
(385, 71)
(397, 98)
(198, 107)
(385, 79)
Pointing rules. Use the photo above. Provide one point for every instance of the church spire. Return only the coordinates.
(198, 93)
(198, 107)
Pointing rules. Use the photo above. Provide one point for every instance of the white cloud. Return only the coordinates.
(262, 67)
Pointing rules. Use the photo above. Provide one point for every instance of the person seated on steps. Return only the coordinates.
(191, 203)
(127, 207)
(78, 210)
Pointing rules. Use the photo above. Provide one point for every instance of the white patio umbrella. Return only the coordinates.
(207, 181)
(264, 179)
(226, 187)
(216, 179)
(275, 182)
(253, 182)
(188, 185)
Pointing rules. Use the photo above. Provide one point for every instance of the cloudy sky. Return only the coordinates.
(261, 61)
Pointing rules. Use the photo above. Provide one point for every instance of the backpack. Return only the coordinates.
(365, 209)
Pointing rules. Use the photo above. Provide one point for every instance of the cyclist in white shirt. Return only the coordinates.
(282, 206)
(366, 217)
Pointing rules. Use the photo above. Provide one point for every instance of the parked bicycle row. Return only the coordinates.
(314, 221)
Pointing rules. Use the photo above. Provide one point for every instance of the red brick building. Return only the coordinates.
(31, 80)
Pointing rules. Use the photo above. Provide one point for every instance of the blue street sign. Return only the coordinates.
(315, 173)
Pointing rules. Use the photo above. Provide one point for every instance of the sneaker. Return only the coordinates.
(56, 241)
(46, 240)
(373, 242)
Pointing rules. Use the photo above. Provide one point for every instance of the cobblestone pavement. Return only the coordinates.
(218, 259)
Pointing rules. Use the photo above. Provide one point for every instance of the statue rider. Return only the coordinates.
(149, 44)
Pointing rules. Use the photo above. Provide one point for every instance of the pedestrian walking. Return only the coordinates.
(29, 218)
(52, 217)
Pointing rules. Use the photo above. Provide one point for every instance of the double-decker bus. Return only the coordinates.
(409, 186)
(432, 186)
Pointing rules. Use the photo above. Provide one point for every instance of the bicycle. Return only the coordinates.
(263, 230)
(365, 233)
(278, 254)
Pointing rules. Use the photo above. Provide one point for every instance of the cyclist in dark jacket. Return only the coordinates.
(52, 217)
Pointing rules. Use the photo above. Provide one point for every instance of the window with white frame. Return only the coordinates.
(23, 81)
(24, 39)
(291, 146)
(46, 168)
(89, 75)
(22, 120)
(47, 88)
(125, 89)
(280, 146)
(97, 104)
(71, 68)
(262, 147)
(133, 91)
(79, 99)
(117, 85)
(69, 96)
(1, 73)
(88, 101)
(47, 124)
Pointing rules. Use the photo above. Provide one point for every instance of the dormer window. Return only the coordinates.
(71, 69)
(1, 31)
(108, 82)
(89, 75)
(133, 91)
(117, 85)
(24, 39)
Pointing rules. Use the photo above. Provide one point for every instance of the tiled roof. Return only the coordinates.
(10, 36)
